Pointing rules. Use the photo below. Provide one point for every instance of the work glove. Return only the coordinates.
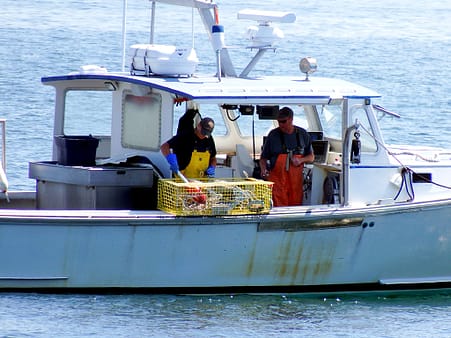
(210, 172)
(173, 164)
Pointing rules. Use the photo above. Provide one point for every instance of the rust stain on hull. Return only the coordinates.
(299, 253)
(297, 261)
(250, 265)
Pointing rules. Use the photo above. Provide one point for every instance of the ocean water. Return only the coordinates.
(401, 49)
(36, 315)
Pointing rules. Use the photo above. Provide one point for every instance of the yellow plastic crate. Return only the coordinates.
(214, 197)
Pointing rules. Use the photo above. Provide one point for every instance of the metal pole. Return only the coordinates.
(152, 24)
(124, 32)
(3, 123)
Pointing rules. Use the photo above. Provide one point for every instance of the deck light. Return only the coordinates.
(246, 109)
(111, 86)
(308, 66)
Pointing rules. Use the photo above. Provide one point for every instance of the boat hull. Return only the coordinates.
(289, 250)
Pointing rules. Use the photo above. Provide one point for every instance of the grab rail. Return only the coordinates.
(3, 128)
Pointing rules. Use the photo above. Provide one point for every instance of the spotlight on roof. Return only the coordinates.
(308, 66)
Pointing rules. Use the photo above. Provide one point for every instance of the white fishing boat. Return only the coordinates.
(106, 216)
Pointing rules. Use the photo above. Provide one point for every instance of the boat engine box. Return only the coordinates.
(104, 187)
(162, 60)
(231, 196)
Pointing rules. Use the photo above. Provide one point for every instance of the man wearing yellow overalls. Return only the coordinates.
(193, 153)
(286, 148)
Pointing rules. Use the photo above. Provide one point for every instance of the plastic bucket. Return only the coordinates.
(76, 150)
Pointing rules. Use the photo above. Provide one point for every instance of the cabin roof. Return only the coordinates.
(258, 89)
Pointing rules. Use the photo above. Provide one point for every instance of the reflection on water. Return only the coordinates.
(223, 316)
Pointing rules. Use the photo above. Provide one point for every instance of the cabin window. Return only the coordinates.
(251, 123)
(141, 119)
(330, 117)
(205, 110)
(88, 113)
(247, 123)
(331, 121)
(367, 141)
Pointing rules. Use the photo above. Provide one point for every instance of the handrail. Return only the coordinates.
(344, 186)
(3, 127)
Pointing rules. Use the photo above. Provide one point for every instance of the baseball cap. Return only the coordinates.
(207, 125)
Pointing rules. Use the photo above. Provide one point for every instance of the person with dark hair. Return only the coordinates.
(192, 152)
(286, 149)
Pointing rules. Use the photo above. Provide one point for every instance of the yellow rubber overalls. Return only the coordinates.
(198, 164)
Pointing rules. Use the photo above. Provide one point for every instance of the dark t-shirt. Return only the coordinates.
(184, 143)
(274, 144)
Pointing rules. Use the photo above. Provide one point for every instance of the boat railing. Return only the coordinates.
(3, 130)
(344, 186)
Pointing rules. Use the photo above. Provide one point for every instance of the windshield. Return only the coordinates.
(330, 117)
(331, 121)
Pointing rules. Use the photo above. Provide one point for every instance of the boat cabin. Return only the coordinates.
(129, 117)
